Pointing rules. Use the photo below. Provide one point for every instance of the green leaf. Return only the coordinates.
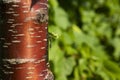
(55, 54)
(66, 39)
(61, 19)
(65, 66)
(112, 69)
(54, 3)
(70, 50)
(76, 74)
(116, 43)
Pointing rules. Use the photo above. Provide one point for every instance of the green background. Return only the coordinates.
(85, 39)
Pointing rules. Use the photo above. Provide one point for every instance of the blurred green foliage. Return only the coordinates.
(88, 43)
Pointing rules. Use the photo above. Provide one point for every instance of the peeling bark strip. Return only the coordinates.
(23, 40)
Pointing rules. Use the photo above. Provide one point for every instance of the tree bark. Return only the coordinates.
(23, 40)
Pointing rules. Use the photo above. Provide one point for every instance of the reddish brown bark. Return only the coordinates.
(23, 40)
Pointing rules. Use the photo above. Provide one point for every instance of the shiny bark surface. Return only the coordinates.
(23, 40)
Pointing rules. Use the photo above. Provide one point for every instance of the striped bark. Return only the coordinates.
(23, 40)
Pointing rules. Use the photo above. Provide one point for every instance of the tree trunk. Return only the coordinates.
(23, 40)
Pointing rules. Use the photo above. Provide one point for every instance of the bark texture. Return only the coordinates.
(23, 40)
